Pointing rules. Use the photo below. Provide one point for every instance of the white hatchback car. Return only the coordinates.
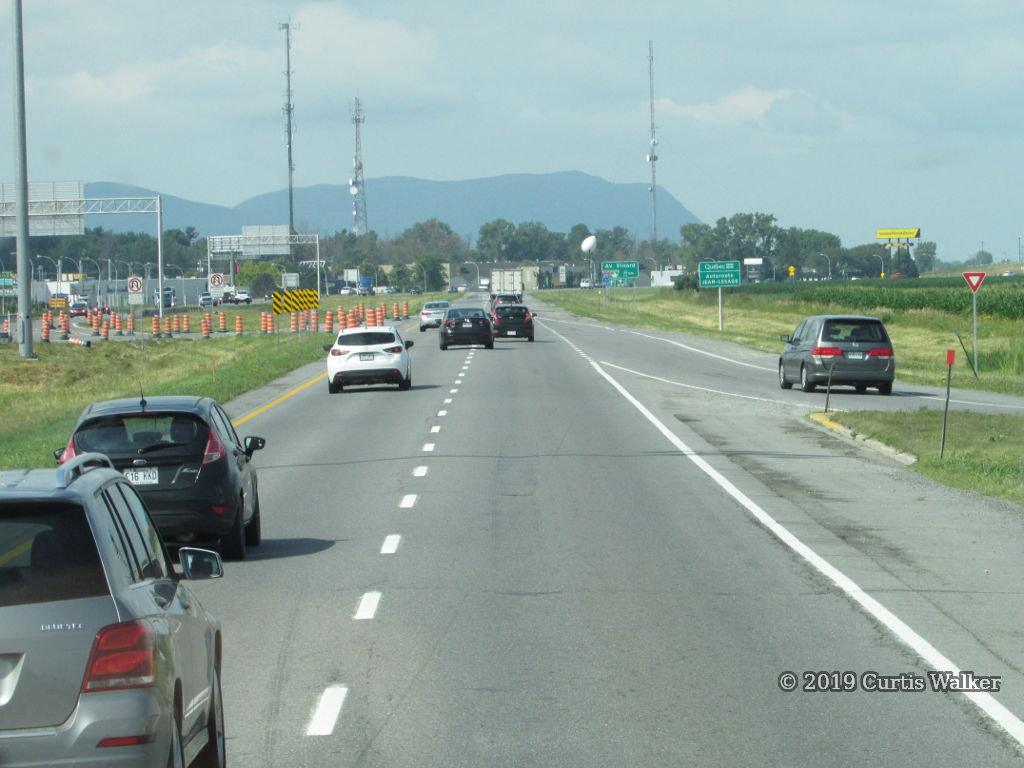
(374, 355)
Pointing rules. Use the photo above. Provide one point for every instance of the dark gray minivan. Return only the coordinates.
(849, 350)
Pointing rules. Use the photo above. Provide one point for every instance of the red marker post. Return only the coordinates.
(950, 360)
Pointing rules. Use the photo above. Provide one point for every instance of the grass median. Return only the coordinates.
(982, 453)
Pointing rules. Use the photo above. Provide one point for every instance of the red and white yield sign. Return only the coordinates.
(974, 280)
(134, 285)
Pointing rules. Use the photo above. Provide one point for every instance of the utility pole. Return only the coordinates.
(23, 267)
(289, 108)
(652, 156)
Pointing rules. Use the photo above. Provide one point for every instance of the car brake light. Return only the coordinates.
(827, 352)
(123, 656)
(393, 350)
(881, 352)
(127, 741)
(337, 352)
(529, 317)
(69, 450)
(214, 450)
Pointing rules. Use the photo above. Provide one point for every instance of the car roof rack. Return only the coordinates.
(79, 465)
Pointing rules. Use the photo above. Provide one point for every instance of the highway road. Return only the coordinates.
(609, 548)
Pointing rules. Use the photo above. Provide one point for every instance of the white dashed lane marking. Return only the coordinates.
(367, 606)
(328, 710)
(390, 545)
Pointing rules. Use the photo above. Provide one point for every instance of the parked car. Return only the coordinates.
(375, 355)
(512, 320)
(186, 460)
(466, 325)
(106, 656)
(432, 314)
(844, 349)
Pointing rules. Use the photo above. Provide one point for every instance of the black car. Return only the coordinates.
(186, 461)
(466, 325)
(513, 320)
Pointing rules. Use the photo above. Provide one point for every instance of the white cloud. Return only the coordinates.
(745, 105)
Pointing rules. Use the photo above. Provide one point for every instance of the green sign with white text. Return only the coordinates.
(718, 274)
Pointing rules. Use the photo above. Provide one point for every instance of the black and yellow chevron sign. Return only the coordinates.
(295, 301)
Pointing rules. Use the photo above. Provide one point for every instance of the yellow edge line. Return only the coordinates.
(281, 399)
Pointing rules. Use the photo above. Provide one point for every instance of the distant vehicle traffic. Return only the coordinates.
(361, 356)
(848, 350)
(465, 325)
(106, 656)
(207, 300)
(239, 297)
(512, 320)
(186, 460)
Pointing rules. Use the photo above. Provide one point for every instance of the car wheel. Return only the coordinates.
(422, 328)
(232, 546)
(253, 531)
(885, 389)
(214, 754)
(489, 345)
(443, 346)
(805, 383)
(176, 756)
(406, 383)
(332, 387)
(861, 388)
(529, 338)
(782, 378)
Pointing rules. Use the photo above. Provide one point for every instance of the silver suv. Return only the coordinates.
(106, 657)
(432, 314)
(838, 349)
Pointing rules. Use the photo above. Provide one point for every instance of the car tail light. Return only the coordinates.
(884, 352)
(214, 450)
(337, 352)
(69, 450)
(123, 656)
(826, 352)
(393, 350)
(528, 318)
(127, 741)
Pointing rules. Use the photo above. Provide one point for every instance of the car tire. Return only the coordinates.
(332, 387)
(443, 346)
(783, 382)
(805, 383)
(489, 345)
(254, 531)
(406, 383)
(861, 388)
(423, 328)
(232, 546)
(885, 389)
(214, 754)
(530, 337)
(176, 755)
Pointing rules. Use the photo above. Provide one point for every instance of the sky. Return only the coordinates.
(838, 115)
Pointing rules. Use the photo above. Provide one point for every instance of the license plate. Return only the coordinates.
(511, 333)
(467, 324)
(366, 355)
(855, 355)
(147, 476)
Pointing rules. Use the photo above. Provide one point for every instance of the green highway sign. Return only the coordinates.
(621, 270)
(718, 274)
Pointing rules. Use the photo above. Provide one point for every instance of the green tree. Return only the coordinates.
(924, 255)
(494, 239)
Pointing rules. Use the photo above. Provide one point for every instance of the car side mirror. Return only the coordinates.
(327, 347)
(199, 564)
(253, 443)
(58, 455)
(784, 337)
(408, 344)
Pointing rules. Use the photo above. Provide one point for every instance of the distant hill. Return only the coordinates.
(394, 203)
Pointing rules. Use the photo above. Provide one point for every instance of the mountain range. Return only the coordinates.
(394, 203)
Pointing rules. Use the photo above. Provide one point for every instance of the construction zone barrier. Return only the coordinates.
(167, 328)
(238, 325)
(329, 322)
(314, 320)
(105, 329)
(176, 324)
(405, 310)
(222, 322)
(155, 326)
(65, 327)
(118, 325)
(131, 325)
(45, 329)
(205, 326)
(271, 323)
(395, 314)
(185, 325)
(353, 319)
(96, 319)
(79, 342)
(293, 324)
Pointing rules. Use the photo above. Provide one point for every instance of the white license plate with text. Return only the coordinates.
(147, 476)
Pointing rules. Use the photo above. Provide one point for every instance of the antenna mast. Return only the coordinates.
(289, 108)
(355, 185)
(652, 156)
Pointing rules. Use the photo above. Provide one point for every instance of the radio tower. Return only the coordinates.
(355, 184)
(289, 107)
(652, 156)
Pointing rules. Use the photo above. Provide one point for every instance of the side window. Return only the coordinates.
(798, 333)
(119, 539)
(812, 331)
(223, 425)
(122, 513)
(147, 531)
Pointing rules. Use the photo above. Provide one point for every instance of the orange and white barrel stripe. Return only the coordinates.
(238, 325)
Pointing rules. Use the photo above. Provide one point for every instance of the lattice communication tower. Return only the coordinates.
(652, 156)
(356, 185)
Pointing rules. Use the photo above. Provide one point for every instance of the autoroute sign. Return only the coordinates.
(718, 274)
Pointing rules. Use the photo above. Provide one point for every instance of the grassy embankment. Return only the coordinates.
(42, 398)
(983, 453)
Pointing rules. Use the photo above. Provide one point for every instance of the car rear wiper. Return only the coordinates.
(159, 446)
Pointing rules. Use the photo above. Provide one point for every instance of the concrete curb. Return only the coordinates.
(888, 450)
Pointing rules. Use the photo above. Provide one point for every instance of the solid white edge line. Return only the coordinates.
(987, 703)
(328, 709)
(408, 501)
(367, 606)
(391, 542)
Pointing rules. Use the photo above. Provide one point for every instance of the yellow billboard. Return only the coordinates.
(889, 234)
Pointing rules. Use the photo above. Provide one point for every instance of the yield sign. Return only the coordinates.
(974, 280)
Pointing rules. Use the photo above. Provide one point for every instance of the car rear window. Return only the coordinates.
(166, 434)
(458, 314)
(517, 313)
(436, 305)
(47, 553)
(852, 329)
(366, 338)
